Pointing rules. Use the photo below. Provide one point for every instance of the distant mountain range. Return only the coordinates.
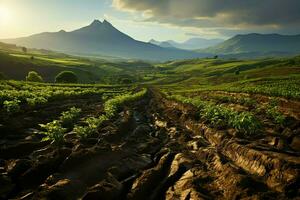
(191, 44)
(104, 39)
(259, 44)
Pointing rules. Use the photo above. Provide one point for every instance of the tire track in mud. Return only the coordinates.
(154, 149)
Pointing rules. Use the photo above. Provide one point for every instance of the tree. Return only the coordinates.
(237, 72)
(34, 77)
(216, 57)
(66, 77)
(24, 49)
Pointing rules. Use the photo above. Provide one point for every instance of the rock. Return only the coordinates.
(295, 144)
(6, 186)
(108, 189)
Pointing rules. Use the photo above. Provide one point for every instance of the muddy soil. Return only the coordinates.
(154, 149)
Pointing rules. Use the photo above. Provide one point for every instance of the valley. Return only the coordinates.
(132, 143)
(149, 100)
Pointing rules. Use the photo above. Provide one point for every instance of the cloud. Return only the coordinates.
(220, 14)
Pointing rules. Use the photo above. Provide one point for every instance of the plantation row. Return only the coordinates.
(56, 129)
(288, 88)
(283, 88)
(220, 116)
(13, 94)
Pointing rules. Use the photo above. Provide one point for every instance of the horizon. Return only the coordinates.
(143, 21)
(195, 37)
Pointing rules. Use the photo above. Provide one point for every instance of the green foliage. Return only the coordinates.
(36, 101)
(66, 77)
(54, 132)
(111, 108)
(92, 126)
(56, 129)
(12, 106)
(34, 77)
(69, 117)
(245, 122)
(33, 94)
(220, 116)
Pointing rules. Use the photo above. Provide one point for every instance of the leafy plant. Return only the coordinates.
(245, 122)
(54, 132)
(220, 116)
(12, 106)
(111, 108)
(69, 117)
(92, 126)
(275, 114)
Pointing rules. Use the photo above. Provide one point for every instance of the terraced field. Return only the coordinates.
(132, 142)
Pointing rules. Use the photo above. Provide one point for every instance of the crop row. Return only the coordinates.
(11, 98)
(56, 129)
(219, 116)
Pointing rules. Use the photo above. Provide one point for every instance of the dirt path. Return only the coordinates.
(154, 149)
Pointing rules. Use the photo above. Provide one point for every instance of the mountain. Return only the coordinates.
(190, 44)
(104, 39)
(161, 44)
(258, 43)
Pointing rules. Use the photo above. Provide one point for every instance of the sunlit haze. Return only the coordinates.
(145, 20)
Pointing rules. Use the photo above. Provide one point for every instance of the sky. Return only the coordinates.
(161, 20)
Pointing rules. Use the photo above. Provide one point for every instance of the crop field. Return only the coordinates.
(192, 129)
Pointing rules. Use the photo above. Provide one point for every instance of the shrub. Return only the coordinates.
(69, 117)
(12, 106)
(34, 77)
(66, 77)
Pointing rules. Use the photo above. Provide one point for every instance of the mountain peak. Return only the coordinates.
(96, 22)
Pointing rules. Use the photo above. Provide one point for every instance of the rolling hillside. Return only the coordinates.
(258, 43)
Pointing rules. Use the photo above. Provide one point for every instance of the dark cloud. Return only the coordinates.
(242, 14)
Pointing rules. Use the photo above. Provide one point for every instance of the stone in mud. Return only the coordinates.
(108, 189)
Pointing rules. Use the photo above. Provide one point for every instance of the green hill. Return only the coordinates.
(259, 44)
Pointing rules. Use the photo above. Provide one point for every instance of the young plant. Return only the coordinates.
(275, 114)
(92, 126)
(54, 132)
(12, 106)
(69, 117)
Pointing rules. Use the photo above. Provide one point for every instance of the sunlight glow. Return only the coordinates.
(5, 15)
